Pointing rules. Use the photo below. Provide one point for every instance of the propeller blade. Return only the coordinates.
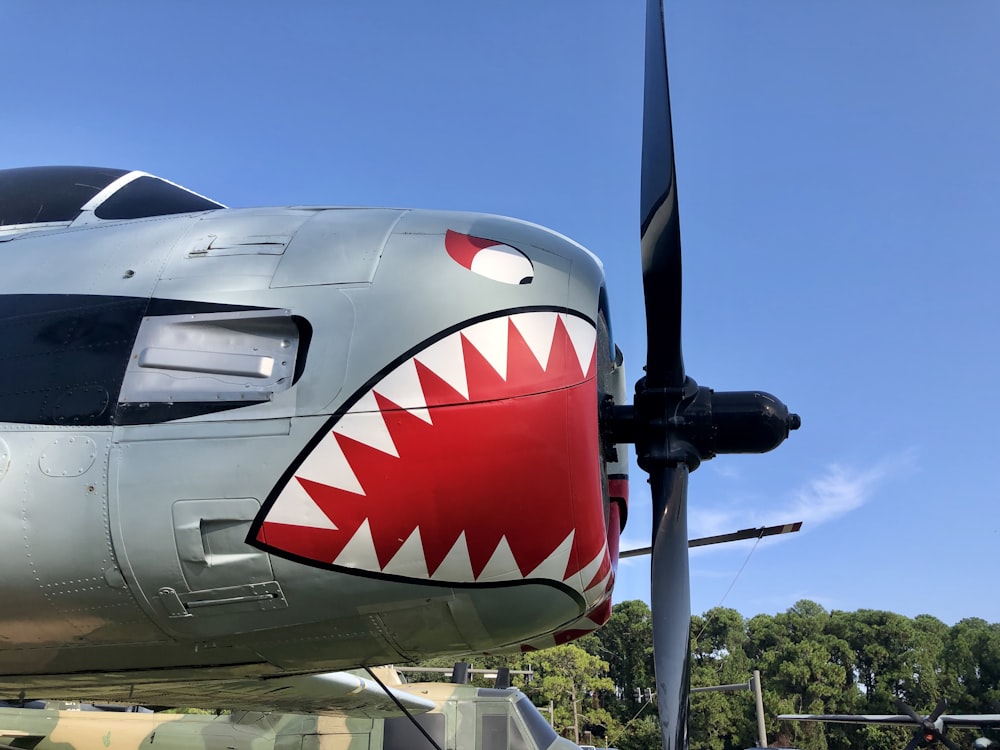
(904, 709)
(927, 727)
(939, 709)
(674, 423)
(660, 228)
(670, 601)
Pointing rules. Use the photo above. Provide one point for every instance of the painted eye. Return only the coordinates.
(489, 258)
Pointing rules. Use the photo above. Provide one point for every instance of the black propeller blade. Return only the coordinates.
(660, 230)
(674, 423)
(928, 730)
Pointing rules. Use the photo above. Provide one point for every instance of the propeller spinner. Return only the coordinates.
(675, 423)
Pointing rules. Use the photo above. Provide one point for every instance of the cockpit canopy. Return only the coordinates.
(38, 197)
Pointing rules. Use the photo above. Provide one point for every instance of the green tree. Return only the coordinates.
(642, 733)
(884, 646)
(927, 681)
(806, 668)
(625, 642)
(720, 721)
(811, 661)
(571, 679)
(972, 664)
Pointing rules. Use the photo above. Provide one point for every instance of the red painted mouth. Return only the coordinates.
(474, 461)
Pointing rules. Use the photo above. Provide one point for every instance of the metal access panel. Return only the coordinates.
(210, 538)
(336, 246)
(244, 355)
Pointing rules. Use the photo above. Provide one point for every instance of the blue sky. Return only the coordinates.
(839, 173)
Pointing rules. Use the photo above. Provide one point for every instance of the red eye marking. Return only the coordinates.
(489, 258)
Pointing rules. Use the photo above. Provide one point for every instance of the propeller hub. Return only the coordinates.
(687, 425)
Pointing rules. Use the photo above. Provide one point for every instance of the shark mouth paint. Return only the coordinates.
(474, 461)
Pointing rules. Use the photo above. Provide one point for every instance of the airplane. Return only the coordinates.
(452, 715)
(239, 447)
(928, 729)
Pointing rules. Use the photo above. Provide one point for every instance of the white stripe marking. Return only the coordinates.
(502, 566)
(295, 507)
(402, 387)
(456, 565)
(360, 551)
(597, 591)
(584, 338)
(364, 423)
(538, 330)
(589, 570)
(554, 566)
(327, 464)
(445, 359)
(409, 559)
(490, 339)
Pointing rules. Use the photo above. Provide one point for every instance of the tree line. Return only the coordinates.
(811, 661)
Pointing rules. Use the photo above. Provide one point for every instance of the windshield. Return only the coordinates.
(58, 195)
(151, 196)
(34, 195)
(543, 734)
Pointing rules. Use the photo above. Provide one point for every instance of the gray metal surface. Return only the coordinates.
(124, 546)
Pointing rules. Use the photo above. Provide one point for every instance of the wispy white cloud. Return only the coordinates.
(726, 471)
(841, 489)
(838, 490)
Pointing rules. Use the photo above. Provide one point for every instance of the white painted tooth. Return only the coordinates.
(328, 465)
(554, 566)
(294, 506)
(586, 624)
(545, 641)
(446, 360)
(402, 387)
(502, 565)
(490, 339)
(537, 329)
(409, 560)
(595, 592)
(360, 551)
(364, 423)
(456, 566)
(584, 338)
(589, 570)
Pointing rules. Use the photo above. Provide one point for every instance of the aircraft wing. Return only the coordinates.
(958, 720)
(899, 719)
(330, 693)
(972, 720)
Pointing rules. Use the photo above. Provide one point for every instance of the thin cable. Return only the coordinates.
(406, 712)
(642, 708)
(733, 583)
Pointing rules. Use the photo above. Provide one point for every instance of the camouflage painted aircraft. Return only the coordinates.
(453, 716)
(242, 446)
